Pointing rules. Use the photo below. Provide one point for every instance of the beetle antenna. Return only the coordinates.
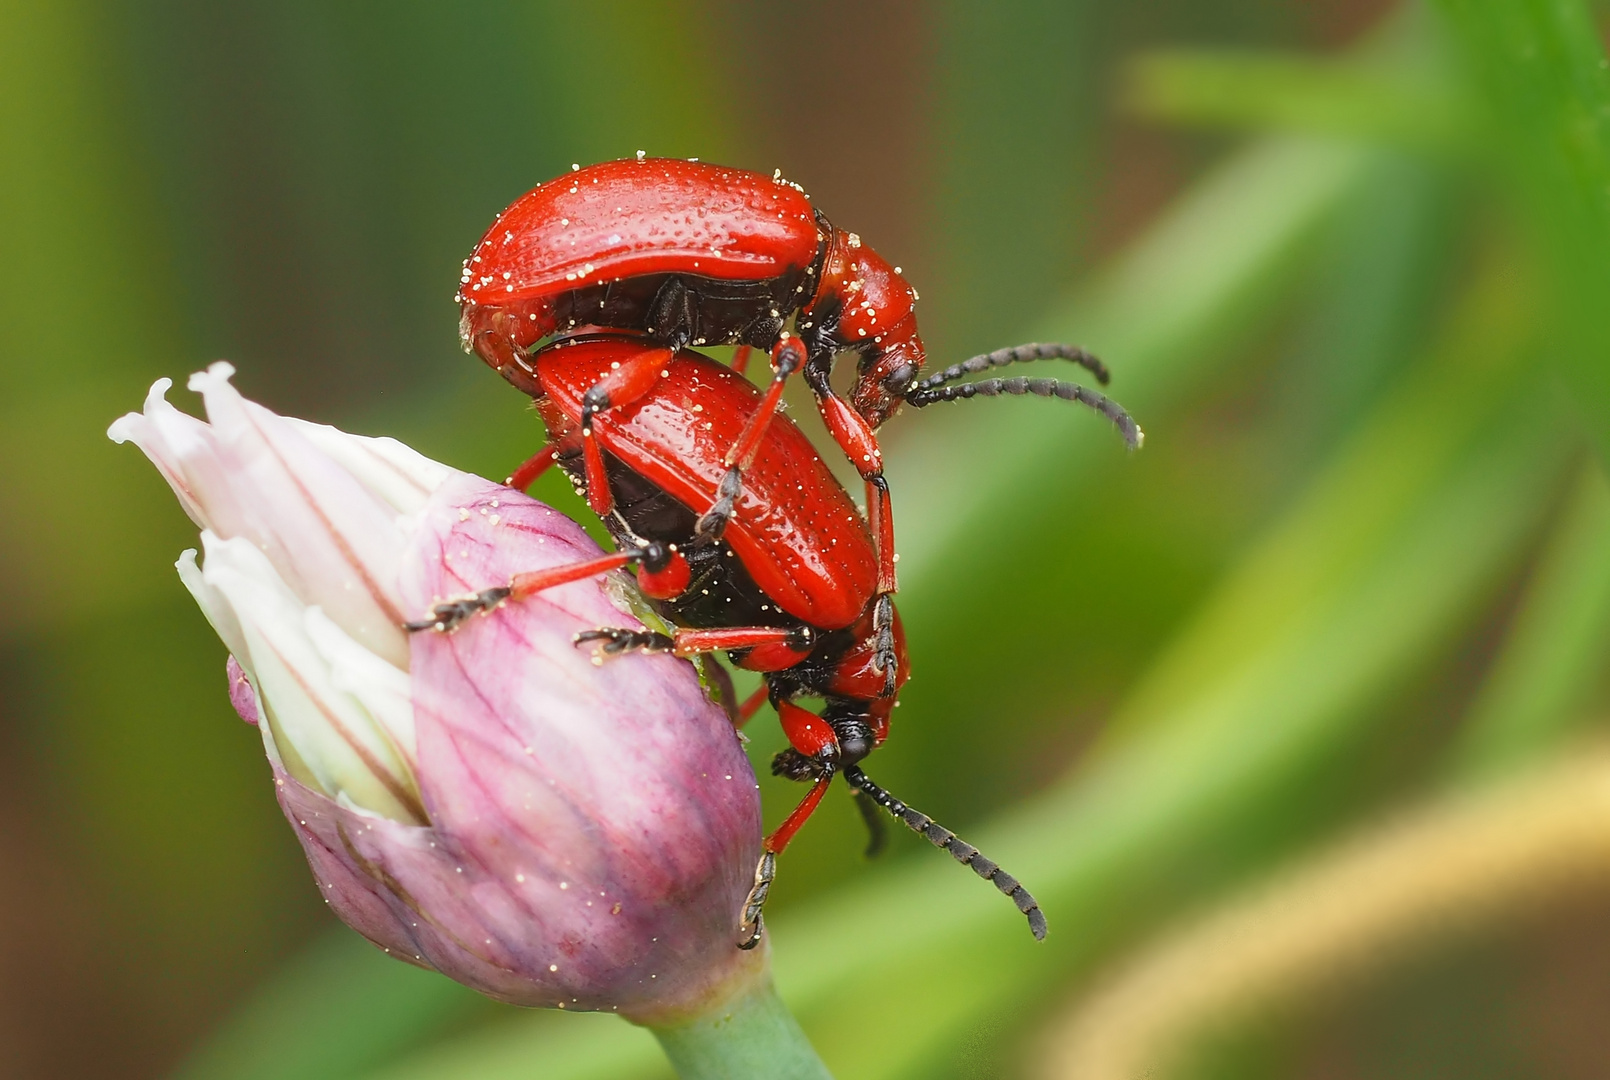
(1106, 406)
(1017, 354)
(960, 850)
(877, 838)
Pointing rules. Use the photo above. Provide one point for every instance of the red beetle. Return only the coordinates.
(689, 253)
(790, 591)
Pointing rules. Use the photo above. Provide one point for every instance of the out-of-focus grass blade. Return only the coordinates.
(1543, 67)
(1012, 149)
(330, 1013)
(1212, 265)
(587, 1046)
(1556, 646)
(1345, 98)
(1193, 281)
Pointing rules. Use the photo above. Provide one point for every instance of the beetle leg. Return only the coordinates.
(625, 384)
(533, 467)
(877, 838)
(740, 358)
(750, 923)
(769, 648)
(448, 615)
(671, 315)
(617, 640)
(752, 704)
(787, 358)
(860, 444)
(813, 752)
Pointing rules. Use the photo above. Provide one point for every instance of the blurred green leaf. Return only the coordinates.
(1542, 67)
(1216, 263)
(303, 1022)
(1348, 98)
(1554, 652)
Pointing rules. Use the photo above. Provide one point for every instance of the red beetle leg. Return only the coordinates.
(449, 615)
(626, 382)
(751, 704)
(780, 648)
(780, 836)
(740, 358)
(770, 648)
(813, 737)
(807, 732)
(668, 582)
(535, 581)
(856, 438)
(787, 358)
(534, 466)
(880, 522)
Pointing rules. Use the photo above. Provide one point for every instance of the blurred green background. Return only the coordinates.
(1349, 262)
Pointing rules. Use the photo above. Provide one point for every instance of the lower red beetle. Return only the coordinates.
(789, 590)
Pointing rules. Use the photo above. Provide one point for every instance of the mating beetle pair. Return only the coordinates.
(741, 537)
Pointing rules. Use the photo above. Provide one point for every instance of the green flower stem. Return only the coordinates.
(752, 1036)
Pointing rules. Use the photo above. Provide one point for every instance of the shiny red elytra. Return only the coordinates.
(693, 254)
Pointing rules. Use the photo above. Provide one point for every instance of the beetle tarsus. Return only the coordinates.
(884, 658)
(450, 615)
(618, 641)
(709, 528)
(750, 926)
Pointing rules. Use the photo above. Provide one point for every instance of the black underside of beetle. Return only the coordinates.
(684, 309)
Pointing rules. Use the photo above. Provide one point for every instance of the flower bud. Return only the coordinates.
(489, 803)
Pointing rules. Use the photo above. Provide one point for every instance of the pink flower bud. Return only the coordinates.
(489, 803)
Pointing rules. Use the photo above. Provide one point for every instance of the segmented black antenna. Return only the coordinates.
(876, 836)
(960, 850)
(1106, 406)
(1017, 354)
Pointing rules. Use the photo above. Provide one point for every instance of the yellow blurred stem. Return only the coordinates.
(1351, 910)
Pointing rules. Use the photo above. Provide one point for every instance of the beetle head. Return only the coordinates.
(888, 373)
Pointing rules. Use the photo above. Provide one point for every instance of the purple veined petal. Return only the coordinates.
(324, 736)
(400, 475)
(405, 889)
(578, 782)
